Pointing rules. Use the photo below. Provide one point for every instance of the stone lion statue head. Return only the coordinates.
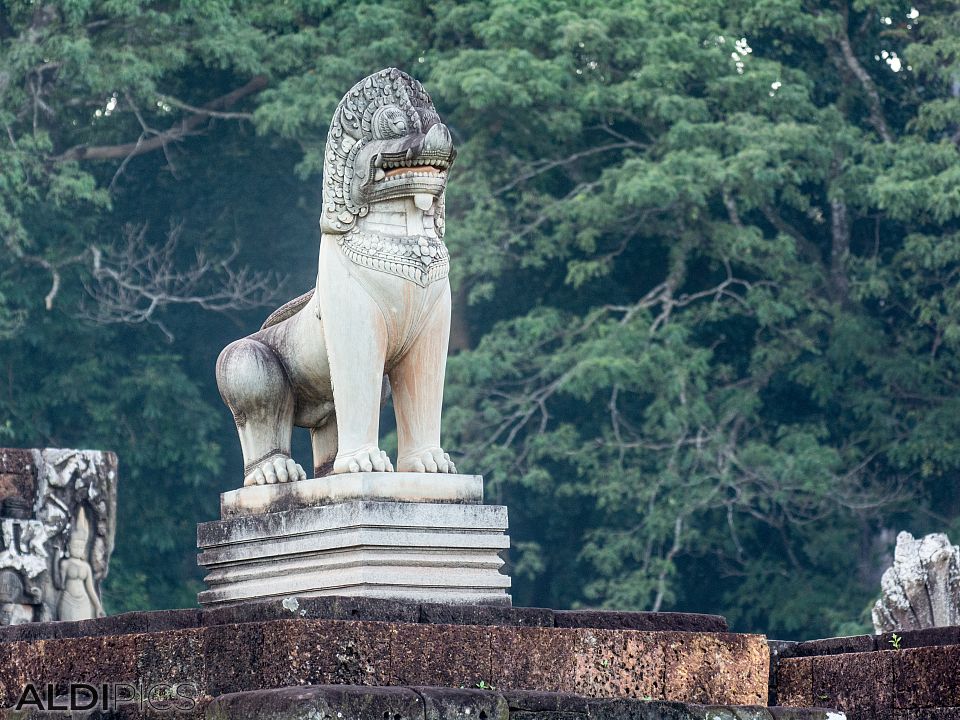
(386, 141)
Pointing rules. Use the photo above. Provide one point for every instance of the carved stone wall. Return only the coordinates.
(57, 524)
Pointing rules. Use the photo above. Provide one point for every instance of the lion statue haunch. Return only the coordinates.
(381, 307)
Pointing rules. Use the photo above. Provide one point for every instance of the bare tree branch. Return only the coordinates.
(205, 110)
(51, 266)
(131, 284)
(187, 126)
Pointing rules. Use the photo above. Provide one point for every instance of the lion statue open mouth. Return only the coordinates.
(381, 307)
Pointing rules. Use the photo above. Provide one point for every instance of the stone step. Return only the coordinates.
(243, 650)
(435, 703)
(354, 608)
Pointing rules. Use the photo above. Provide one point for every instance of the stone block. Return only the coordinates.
(795, 682)
(310, 652)
(394, 550)
(319, 702)
(313, 608)
(544, 702)
(534, 659)
(786, 713)
(834, 646)
(20, 663)
(232, 655)
(856, 682)
(328, 490)
(134, 622)
(716, 668)
(18, 474)
(928, 637)
(122, 624)
(778, 650)
(447, 614)
(618, 663)
(604, 709)
(466, 704)
(650, 621)
(173, 657)
(925, 677)
(444, 655)
(28, 632)
(88, 660)
(269, 655)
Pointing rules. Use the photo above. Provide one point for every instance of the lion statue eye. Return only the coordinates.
(389, 122)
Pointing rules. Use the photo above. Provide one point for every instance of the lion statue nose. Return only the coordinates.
(438, 139)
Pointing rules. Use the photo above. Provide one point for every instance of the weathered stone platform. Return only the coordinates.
(351, 641)
(406, 536)
(915, 676)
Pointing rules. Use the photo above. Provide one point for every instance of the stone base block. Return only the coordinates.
(428, 552)
(332, 489)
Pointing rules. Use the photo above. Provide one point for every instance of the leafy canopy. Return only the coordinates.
(705, 257)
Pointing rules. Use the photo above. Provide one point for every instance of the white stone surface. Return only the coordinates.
(429, 552)
(381, 305)
(396, 486)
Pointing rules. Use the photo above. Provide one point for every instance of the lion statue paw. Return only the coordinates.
(275, 469)
(370, 459)
(433, 460)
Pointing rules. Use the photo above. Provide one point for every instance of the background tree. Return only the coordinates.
(705, 257)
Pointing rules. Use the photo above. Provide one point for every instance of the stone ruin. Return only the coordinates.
(922, 589)
(57, 524)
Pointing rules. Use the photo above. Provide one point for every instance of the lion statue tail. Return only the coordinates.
(288, 310)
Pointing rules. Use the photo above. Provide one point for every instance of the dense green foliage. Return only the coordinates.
(705, 262)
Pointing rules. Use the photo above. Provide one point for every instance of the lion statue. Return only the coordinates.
(379, 317)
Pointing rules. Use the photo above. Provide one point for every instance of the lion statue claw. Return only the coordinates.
(379, 318)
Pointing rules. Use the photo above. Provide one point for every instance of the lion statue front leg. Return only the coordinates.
(417, 384)
(256, 388)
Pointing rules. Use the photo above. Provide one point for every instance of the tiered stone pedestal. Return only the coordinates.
(401, 536)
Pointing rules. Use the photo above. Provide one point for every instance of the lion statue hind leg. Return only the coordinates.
(255, 387)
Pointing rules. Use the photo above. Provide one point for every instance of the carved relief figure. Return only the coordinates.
(78, 597)
(380, 309)
(56, 532)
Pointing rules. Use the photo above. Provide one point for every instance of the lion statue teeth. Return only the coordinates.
(379, 317)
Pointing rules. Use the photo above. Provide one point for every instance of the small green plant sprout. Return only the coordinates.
(895, 641)
(484, 685)
(604, 663)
